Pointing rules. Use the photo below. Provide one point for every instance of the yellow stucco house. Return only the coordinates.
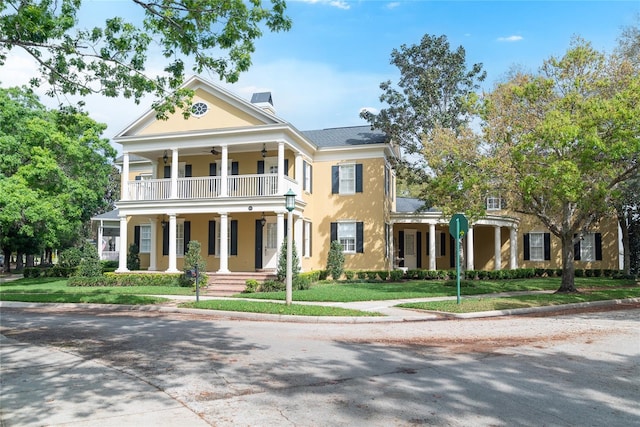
(220, 178)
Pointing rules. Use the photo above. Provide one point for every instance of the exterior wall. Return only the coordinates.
(443, 262)
(484, 247)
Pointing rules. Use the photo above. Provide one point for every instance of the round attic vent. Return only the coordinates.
(199, 109)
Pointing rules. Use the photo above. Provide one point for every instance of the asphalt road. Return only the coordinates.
(580, 369)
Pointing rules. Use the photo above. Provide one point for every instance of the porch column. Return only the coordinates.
(224, 243)
(470, 261)
(174, 174)
(432, 247)
(100, 236)
(224, 166)
(279, 232)
(297, 235)
(172, 243)
(297, 173)
(124, 178)
(153, 253)
(122, 259)
(281, 189)
(513, 246)
(497, 248)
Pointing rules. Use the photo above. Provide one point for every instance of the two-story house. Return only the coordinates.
(220, 177)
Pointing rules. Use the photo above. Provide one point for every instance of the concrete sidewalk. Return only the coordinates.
(44, 386)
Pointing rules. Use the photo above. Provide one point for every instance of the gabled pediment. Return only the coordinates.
(217, 108)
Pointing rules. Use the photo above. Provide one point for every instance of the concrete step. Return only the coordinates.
(225, 284)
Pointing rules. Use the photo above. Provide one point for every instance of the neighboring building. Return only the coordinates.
(220, 178)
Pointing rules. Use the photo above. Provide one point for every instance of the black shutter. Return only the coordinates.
(443, 241)
(401, 248)
(187, 235)
(527, 249)
(234, 168)
(258, 247)
(260, 167)
(136, 236)
(359, 178)
(234, 237)
(167, 171)
(335, 179)
(360, 237)
(334, 231)
(547, 246)
(598, 242)
(213, 169)
(286, 228)
(576, 249)
(286, 167)
(428, 244)
(419, 248)
(452, 251)
(187, 171)
(165, 239)
(310, 179)
(211, 247)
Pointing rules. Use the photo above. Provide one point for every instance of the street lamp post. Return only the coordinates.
(290, 204)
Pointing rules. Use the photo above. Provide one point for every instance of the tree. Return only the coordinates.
(90, 264)
(193, 259)
(281, 273)
(428, 115)
(113, 59)
(564, 140)
(54, 169)
(335, 260)
(133, 257)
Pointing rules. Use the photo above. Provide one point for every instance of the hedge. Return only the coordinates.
(116, 279)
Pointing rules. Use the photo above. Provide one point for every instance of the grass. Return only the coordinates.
(102, 298)
(59, 286)
(376, 291)
(275, 308)
(472, 305)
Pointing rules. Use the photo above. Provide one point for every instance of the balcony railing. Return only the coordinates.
(209, 187)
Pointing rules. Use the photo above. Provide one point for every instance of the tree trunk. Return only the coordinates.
(19, 261)
(624, 227)
(568, 269)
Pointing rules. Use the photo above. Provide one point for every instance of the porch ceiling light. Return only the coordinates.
(290, 200)
(165, 158)
(264, 151)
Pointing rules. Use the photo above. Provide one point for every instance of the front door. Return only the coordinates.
(270, 243)
(410, 260)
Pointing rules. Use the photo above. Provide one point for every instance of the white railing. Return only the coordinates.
(208, 187)
(110, 255)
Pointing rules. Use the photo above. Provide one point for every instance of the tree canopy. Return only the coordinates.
(112, 59)
(54, 172)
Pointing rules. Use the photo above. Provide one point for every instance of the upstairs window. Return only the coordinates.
(494, 203)
(346, 178)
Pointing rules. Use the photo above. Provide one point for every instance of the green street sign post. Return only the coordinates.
(458, 227)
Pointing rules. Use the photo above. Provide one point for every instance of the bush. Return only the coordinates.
(70, 258)
(193, 260)
(384, 275)
(323, 275)
(273, 286)
(109, 266)
(33, 272)
(144, 279)
(579, 272)
(300, 283)
(133, 257)
(362, 275)
(597, 272)
(349, 274)
(251, 286)
(335, 260)
(281, 274)
(313, 276)
(90, 264)
(396, 275)
(92, 281)
(372, 275)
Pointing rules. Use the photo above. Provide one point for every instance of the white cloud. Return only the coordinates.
(340, 4)
(393, 5)
(510, 39)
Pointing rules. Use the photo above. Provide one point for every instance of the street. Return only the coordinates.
(578, 369)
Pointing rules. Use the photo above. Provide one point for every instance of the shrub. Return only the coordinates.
(372, 275)
(92, 281)
(362, 275)
(90, 264)
(281, 274)
(193, 260)
(33, 272)
(251, 286)
(579, 272)
(133, 257)
(349, 274)
(116, 279)
(396, 275)
(313, 276)
(273, 286)
(597, 272)
(301, 283)
(109, 266)
(335, 260)
(384, 275)
(323, 275)
(70, 258)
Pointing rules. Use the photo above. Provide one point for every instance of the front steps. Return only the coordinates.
(226, 284)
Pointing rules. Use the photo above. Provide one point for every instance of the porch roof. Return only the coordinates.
(346, 136)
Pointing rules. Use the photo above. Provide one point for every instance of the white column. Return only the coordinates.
(297, 235)
(224, 243)
(100, 236)
(172, 244)
(174, 173)
(279, 231)
(153, 252)
(470, 261)
(281, 189)
(122, 260)
(497, 248)
(513, 244)
(124, 178)
(297, 173)
(432, 247)
(224, 166)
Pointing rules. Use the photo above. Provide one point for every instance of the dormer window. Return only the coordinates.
(199, 109)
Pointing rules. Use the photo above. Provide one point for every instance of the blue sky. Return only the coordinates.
(330, 64)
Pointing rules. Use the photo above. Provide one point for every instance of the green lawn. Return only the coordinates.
(472, 305)
(364, 291)
(59, 286)
(276, 308)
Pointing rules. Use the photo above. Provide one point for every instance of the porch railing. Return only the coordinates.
(208, 187)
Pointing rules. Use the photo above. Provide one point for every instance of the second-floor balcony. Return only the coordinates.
(209, 187)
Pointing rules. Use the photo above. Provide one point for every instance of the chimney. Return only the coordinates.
(264, 101)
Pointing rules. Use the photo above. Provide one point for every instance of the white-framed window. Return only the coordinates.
(306, 236)
(588, 247)
(347, 174)
(180, 238)
(145, 239)
(536, 246)
(199, 109)
(347, 236)
(493, 203)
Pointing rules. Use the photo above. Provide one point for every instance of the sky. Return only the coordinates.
(330, 64)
